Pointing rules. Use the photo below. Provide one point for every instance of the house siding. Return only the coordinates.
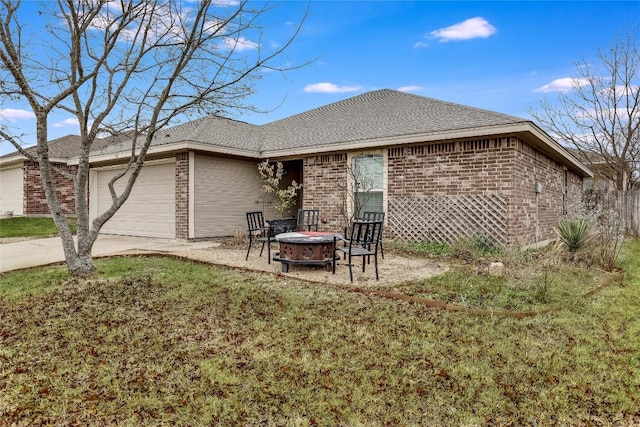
(224, 190)
(453, 189)
(451, 168)
(35, 200)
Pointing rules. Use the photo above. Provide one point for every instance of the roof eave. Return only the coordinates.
(21, 159)
(526, 129)
(172, 148)
(541, 138)
(550, 146)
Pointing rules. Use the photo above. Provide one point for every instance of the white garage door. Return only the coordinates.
(11, 191)
(150, 209)
(224, 190)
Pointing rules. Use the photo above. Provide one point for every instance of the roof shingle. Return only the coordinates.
(373, 115)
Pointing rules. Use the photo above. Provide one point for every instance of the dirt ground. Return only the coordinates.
(393, 269)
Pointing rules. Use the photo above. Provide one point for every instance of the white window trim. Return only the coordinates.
(385, 173)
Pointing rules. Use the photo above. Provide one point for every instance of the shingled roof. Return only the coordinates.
(371, 116)
(381, 114)
(213, 131)
(381, 118)
(61, 149)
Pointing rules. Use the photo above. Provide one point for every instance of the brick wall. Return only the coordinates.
(505, 166)
(451, 168)
(35, 201)
(324, 181)
(182, 196)
(552, 203)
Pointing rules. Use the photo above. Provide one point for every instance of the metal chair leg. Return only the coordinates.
(249, 248)
(350, 269)
(375, 261)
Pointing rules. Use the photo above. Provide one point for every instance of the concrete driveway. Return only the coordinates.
(31, 253)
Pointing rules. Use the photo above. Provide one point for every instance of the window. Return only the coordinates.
(368, 191)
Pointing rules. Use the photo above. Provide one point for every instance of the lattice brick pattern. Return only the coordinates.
(446, 219)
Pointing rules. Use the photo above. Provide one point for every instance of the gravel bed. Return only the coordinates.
(393, 269)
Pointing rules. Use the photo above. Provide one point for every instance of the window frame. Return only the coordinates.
(351, 162)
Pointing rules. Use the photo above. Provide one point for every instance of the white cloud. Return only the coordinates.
(412, 88)
(562, 85)
(11, 114)
(225, 3)
(470, 29)
(420, 45)
(330, 88)
(239, 44)
(66, 123)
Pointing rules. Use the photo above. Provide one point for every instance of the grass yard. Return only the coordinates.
(534, 280)
(158, 341)
(18, 226)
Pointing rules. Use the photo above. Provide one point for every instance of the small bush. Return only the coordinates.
(574, 234)
(607, 241)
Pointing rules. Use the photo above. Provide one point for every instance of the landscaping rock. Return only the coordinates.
(496, 269)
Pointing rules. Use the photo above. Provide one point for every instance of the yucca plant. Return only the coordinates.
(573, 233)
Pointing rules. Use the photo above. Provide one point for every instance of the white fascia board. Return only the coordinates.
(559, 149)
(173, 147)
(12, 161)
(20, 159)
(515, 128)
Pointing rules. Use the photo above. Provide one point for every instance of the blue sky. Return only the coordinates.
(503, 56)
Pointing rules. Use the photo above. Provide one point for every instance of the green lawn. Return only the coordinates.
(157, 341)
(30, 227)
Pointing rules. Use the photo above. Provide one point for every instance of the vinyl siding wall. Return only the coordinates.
(224, 189)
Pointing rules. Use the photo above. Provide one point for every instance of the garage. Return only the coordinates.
(11, 190)
(224, 190)
(150, 209)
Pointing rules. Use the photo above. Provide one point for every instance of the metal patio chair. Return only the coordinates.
(375, 216)
(308, 219)
(258, 232)
(363, 242)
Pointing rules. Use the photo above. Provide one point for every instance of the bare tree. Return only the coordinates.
(600, 114)
(126, 65)
(352, 195)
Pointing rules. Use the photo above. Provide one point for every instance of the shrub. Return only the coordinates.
(607, 241)
(574, 234)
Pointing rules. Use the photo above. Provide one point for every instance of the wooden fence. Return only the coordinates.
(448, 218)
(626, 204)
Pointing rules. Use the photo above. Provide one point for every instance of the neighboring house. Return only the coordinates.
(601, 169)
(440, 170)
(21, 191)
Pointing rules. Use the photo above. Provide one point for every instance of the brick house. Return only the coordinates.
(21, 191)
(439, 170)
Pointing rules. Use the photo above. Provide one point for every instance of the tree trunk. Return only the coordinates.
(78, 261)
(80, 265)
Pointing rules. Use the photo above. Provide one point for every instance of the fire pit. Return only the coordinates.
(306, 248)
